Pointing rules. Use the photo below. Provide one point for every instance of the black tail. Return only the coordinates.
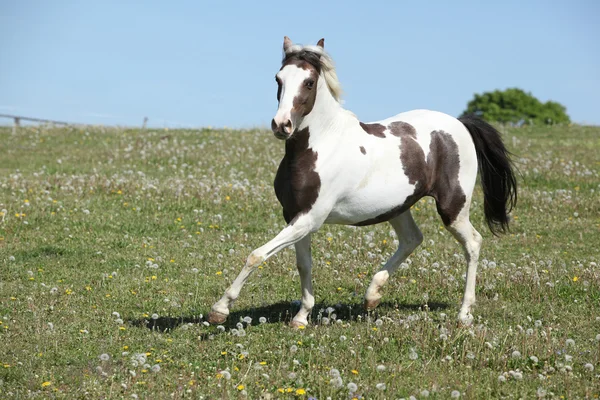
(497, 176)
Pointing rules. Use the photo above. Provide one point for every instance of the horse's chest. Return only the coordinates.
(297, 183)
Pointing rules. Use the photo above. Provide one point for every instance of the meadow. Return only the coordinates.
(114, 243)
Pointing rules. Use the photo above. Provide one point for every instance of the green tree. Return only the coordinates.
(515, 106)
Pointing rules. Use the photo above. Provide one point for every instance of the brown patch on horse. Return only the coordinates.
(304, 101)
(362, 150)
(373, 129)
(401, 128)
(436, 176)
(297, 184)
(449, 195)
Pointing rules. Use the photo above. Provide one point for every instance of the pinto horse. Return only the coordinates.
(338, 170)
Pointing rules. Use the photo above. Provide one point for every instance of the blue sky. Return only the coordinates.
(212, 63)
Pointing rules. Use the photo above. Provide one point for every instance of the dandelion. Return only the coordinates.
(413, 354)
(455, 394)
(538, 323)
(589, 367)
(325, 321)
(378, 322)
(247, 320)
(240, 387)
(352, 387)
(226, 375)
(46, 384)
(501, 378)
(156, 368)
(534, 359)
(570, 342)
(381, 368)
(300, 391)
(293, 348)
(336, 382)
(262, 320)
(598, 337)
(342, 338)
(12, 258)
(529, 332)
(470, 355)
(155, 316)
(381, 386)
(424, 393)
(516, 354)
(104, 357)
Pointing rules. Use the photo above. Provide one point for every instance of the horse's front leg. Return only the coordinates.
(291, 234)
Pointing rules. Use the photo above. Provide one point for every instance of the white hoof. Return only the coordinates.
(465, 318)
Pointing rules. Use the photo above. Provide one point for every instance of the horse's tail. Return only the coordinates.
(497, 175)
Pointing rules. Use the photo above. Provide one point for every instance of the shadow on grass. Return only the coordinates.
(284, 311)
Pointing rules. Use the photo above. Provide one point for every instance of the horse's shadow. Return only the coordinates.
(284, 311)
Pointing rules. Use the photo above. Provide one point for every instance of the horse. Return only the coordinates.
(339, 170)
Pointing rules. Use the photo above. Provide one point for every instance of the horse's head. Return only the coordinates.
(297, 82)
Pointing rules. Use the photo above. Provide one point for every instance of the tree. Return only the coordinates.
(515, 106)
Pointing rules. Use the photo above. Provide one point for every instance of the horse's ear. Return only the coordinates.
(287, 43)
(321, 43)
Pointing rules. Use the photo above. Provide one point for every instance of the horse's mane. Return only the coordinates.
(322, 61)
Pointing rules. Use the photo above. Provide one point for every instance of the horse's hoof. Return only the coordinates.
(215, 318)
(370, 305)
(297, 325)
(465, 319)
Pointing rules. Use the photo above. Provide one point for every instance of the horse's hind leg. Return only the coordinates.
(409, 237)
(470, 240)
(304, 264)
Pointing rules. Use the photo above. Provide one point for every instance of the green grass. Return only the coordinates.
(100, 221)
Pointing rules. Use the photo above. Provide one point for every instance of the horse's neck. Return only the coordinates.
(328, 119)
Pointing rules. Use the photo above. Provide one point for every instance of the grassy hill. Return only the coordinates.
(114, 243)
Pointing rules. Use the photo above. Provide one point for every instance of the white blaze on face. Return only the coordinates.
(292, 79)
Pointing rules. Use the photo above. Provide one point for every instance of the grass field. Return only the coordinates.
(114, 243)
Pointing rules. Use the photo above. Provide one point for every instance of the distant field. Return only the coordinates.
(115, 243)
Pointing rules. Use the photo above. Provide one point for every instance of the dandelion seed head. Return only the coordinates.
(104, 357)
(455, 394)
(501, 378)
(589, 367)
(352, 387)
(381, 386)
(570, 342)
(424, 393)
(154, 316)
(516, 354)
(155, 368)
(262, 320)
(336, 382)
(381, 368)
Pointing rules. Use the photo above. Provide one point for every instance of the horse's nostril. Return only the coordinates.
(288, 123)
(273, 124)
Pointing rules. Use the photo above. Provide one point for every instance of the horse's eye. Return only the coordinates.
(309, 84)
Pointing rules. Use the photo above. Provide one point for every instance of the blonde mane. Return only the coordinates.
(327, 67)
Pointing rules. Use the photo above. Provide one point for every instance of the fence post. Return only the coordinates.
(16, 125)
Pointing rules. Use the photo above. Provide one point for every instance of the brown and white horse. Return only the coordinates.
(338, 170)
